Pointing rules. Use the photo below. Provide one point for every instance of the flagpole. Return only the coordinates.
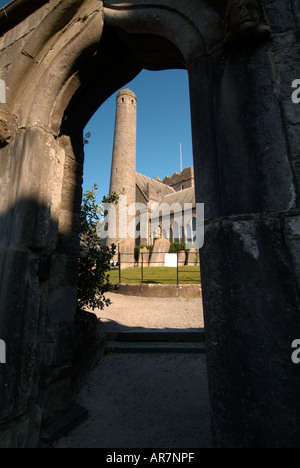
(181, 169)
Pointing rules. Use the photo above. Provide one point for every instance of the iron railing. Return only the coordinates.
(128, 267)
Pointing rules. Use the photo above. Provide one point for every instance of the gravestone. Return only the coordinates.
(191, 257)
(144, 257)
(160, 248)
(126, 250)
(181, 258)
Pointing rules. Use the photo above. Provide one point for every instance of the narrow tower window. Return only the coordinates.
(2, 92)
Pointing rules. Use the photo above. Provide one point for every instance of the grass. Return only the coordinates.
(158, 275)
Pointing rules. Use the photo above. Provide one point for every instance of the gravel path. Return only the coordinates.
(145, 400)
(131, 311)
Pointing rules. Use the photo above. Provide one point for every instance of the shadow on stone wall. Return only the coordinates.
(38, 275)
(47, 352)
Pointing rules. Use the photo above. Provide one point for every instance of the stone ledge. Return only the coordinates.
(66, 423)
(191, 291)
(155, 347)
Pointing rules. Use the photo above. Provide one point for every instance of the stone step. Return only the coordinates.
(154, 347)
(165, 336)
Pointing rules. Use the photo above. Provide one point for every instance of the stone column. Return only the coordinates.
(38, 265)
(123, 169)
(249, 262)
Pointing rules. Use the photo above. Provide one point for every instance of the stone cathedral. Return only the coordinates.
(176, 192)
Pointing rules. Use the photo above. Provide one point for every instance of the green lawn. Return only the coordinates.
(158, 275)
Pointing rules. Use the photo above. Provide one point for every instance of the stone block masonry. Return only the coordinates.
(123, 168)
(181, 181)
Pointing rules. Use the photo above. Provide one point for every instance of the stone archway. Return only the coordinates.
(60, 60)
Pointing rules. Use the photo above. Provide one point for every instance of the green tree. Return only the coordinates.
(95, 259)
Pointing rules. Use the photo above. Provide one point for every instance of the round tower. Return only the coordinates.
(123, 168)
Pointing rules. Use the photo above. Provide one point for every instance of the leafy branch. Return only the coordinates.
(95, 259)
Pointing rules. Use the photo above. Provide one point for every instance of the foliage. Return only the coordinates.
(86, 138)
(94, 261)
(176, 247)
(87, 318)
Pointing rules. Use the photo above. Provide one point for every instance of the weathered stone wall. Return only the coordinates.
(58, 70)
(15, 39)
(247, 168)
(40, 221)
(187, 291)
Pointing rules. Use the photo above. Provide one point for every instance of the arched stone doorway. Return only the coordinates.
(60, 61)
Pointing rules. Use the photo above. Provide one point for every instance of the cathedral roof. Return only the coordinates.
(180, 198)
(153, 189)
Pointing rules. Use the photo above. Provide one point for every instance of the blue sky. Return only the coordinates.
(163, 122)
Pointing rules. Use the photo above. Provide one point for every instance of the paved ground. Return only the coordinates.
(130, 311)
(145, 400)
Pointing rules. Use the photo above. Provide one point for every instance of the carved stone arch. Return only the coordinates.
(139, 35)
(68, 56)
(49, 59)
(48, 80)
(166, 19)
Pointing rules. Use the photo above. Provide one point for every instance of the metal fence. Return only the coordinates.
(131, 270)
